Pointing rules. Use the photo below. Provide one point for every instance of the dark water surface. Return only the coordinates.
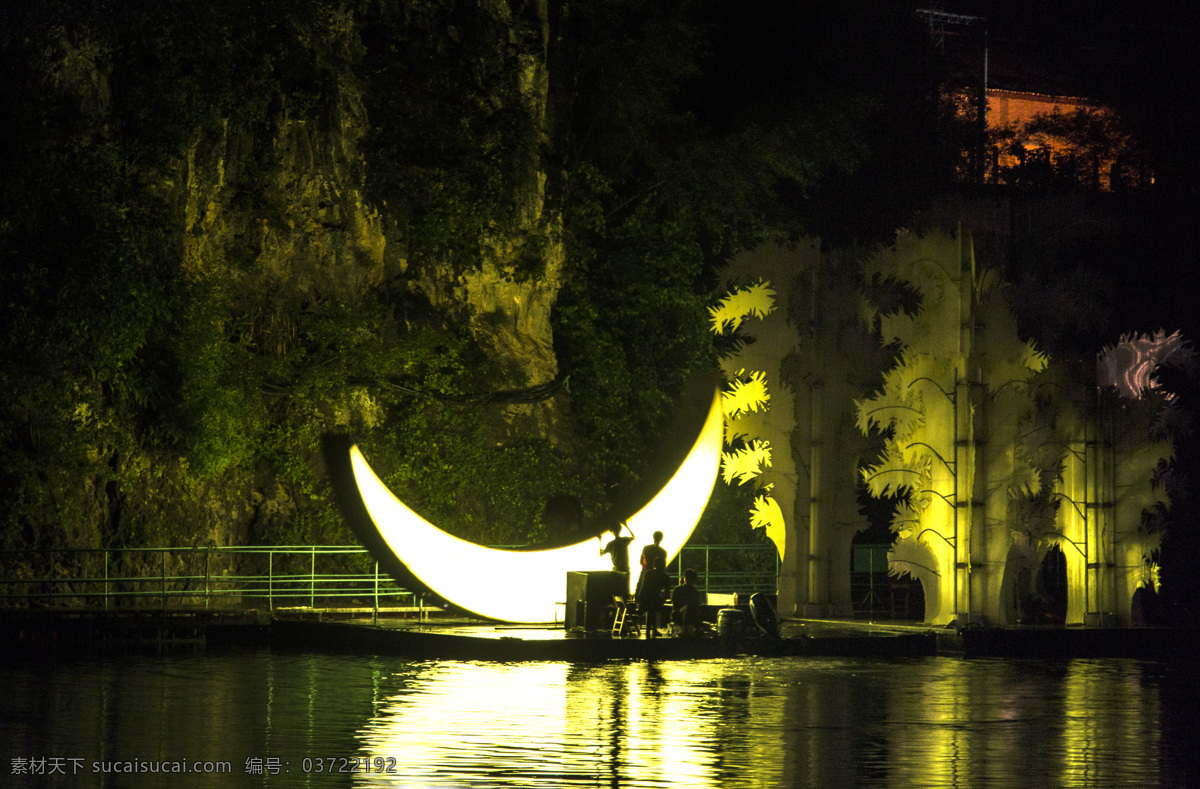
(309, 719)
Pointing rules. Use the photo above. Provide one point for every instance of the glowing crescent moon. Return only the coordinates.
(522, 586)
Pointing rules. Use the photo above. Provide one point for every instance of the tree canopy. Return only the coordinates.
(197, 289)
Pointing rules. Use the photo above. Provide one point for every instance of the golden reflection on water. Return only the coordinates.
(1079, 724)
(756, 723)
(628, 724)
(1095, 737)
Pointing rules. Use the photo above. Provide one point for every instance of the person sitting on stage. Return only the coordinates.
(686, 603)
(652, 594)
(649, 552)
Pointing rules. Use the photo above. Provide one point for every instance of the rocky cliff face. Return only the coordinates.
(311, 229)
(313, 233)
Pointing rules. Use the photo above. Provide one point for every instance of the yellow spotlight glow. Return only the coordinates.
(522, 586)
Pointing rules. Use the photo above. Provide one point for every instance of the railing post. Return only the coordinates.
(105, 579)
(312, 580)
(207, 554)
(164, 581)
(271, 580)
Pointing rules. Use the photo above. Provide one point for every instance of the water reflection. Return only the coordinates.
(639, 724)
(935, 722)
(730, 723)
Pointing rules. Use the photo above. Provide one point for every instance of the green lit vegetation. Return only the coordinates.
(194, 293)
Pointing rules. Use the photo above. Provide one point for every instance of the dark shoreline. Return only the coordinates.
(24, 634)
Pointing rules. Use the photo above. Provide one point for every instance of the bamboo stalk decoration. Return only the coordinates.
(803, 354)
(953, 411)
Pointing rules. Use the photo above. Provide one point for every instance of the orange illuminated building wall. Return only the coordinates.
(1010, 107)
(1035, 136)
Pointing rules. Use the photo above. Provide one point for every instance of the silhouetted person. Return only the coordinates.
(686, 602)
(652, 594)
(618, 549)
(650, 551)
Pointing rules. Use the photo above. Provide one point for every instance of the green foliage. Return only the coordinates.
(747, 394)
(745, 463)
(134, 388)
(755, 301)
(458, 478)
(148, 397)
(450, 126)
(87, 372)
(658, 191)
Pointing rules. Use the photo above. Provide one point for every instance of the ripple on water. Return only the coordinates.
(729, 723)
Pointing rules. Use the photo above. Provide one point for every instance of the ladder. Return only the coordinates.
(619, 625)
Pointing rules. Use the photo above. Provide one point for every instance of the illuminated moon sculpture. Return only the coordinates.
(522, 586)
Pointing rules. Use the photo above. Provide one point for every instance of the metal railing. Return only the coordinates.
(283, 576)
(199, 578)
(732, 568)
(877, 595)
